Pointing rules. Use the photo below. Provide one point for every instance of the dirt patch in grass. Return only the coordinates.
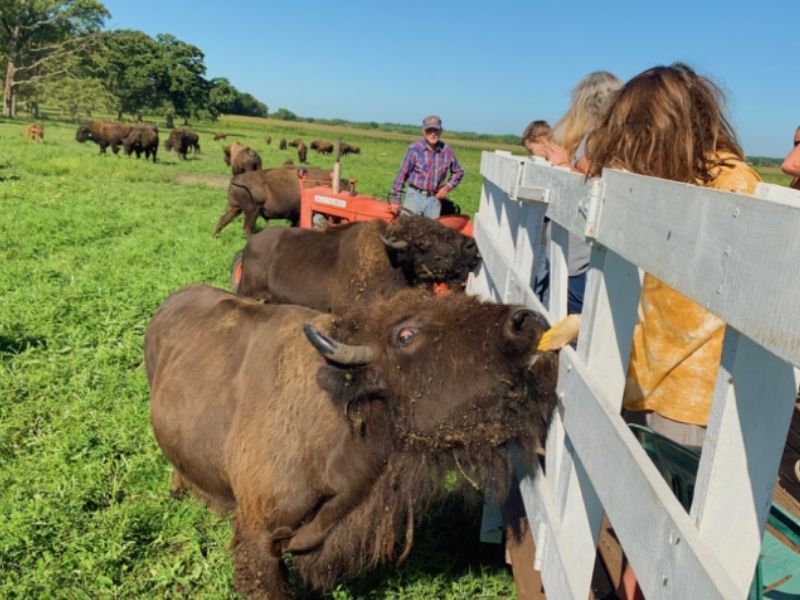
(212, 181)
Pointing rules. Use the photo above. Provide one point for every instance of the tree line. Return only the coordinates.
(57, 52)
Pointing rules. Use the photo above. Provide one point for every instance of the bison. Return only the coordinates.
(268, 139)
(220, 136)
(358, 262)
(142, 138)
(322, 147)
(182, 141)
(271, 194)
(35, 132)
(104, 134)
(348, 149)
(282, 144)
(302, 152)
(329, 436)
(295, 142)
(241, 158)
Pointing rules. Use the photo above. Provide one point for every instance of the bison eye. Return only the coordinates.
(406, 335)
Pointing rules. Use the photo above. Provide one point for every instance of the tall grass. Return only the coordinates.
(90, 246)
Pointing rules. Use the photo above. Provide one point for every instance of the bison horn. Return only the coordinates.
(344, 354)
(394, 245)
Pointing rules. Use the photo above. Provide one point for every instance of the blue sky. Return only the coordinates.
(486, 66)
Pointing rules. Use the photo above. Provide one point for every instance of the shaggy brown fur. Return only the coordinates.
(220, 136)
(282, 144)
(241, 158)
(322, 147)
(332, 269)
(348, 149)
(336, 463)
(142, 138)
(268, 139)
(182, 141)
(104, 134)
(302, 152)
(295, 142)
(271, 194)
(35, 132)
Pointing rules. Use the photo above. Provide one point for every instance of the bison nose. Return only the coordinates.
(525, 325)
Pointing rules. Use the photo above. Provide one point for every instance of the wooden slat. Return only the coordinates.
(751, 411)
(743, 268)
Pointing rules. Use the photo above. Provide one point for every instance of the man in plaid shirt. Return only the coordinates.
(426, 166)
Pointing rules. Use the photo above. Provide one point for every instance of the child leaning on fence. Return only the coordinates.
(667, 122)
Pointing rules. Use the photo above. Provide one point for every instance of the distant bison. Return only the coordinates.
(282, 144)
(104, 134)
(220, 136)
(241, 158)
(142, 138)
(182, 141)
(329, 436)
(359, 262)
(295, 142)
(268, 139)
(35, 132)
(322, 147)
(302, 152)
(348, 149)
(271, 194)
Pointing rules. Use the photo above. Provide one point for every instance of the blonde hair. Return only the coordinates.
(537, 131)
(590, 100)
(666, 122)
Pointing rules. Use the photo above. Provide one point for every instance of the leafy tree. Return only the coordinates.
(222, 96)
(285, 114)
(182, 85)
(38, 36)
(131, 67)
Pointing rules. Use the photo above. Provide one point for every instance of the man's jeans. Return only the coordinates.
(427, 206)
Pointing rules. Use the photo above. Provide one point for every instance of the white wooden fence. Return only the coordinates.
(737, 255)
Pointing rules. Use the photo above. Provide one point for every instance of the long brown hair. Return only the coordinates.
(589, 101)
(666, 122)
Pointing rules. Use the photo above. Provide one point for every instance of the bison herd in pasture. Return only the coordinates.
(324, 400)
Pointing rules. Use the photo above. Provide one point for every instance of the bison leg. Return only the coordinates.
(103, 147)
(313, 533)
(115, 149)
(258, 574)
(250, 216)
(228, 216)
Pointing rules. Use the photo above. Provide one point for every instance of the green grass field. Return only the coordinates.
(90, 247)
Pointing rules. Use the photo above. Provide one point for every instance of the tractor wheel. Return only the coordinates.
(237, 268)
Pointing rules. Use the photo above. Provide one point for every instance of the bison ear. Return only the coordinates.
(339, 352)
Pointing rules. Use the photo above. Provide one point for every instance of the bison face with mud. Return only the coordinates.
(329, 435)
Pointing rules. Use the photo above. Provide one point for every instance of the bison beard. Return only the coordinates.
(335, 451)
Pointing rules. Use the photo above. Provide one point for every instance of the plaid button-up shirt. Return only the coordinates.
(427, 169)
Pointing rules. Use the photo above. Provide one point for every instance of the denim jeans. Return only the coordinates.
(427, 206)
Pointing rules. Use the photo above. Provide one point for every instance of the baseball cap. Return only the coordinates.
(431, 122)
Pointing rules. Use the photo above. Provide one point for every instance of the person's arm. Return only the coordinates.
(405, 168)
(456, 174)
(791, 164)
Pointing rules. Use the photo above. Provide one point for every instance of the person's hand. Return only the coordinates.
(394, 208)
(442, 193)
(557, 155)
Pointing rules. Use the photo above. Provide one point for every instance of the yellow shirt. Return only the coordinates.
(677, 345)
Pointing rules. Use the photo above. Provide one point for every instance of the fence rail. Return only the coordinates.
(735, 254)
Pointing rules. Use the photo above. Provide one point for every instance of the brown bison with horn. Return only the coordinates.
(271, 194)
(182, 141)
(359, 262)
(241, 158)
(329, 436)
(104, 134)
(143, 138)
(322, 147)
